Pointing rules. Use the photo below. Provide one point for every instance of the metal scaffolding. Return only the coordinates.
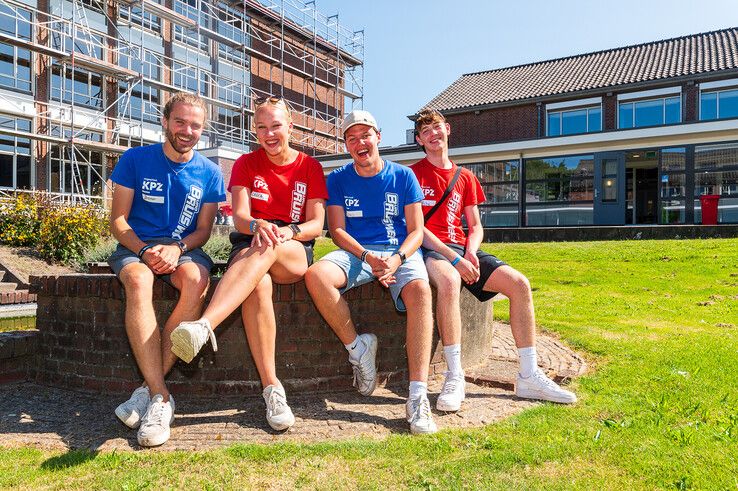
(109, 65)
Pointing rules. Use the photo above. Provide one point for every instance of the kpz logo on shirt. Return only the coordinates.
(150, 189)
(260, 189)
(350, 203)
(428, 193)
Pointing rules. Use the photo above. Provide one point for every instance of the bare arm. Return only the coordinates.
(119, 227)
(313, 224)
(468, 269)
(476, 230)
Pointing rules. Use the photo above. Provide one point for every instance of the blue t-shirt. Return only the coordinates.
(374, 207)
(167, 195)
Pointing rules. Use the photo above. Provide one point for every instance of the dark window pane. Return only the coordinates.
(708, 105)
(673, 159)
(714, 157)
(649, 113)
(728, 104)
(23, 172)
(554, 124)
(609, 189)
(6, 170)
(595, 119)
(573, 122)
(672, 110)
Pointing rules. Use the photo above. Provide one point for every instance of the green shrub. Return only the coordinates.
(68, 231)
(19, 220)
(98, 253)
(218, 247)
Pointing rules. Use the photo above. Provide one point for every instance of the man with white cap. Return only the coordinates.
(374, 216)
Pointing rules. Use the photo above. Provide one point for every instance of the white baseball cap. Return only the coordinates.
(358, 116)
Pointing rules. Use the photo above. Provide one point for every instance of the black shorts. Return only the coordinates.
(241, 241)
(487, 265)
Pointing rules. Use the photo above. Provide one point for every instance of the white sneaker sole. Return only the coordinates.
(129, 419)
(531, 394)
(156, 440)
(373, 351)
(281, 426)
(448, 408)
(423, 431)
(183, 345)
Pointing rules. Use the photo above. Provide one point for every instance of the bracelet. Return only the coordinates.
(456, 260)
(144, 249)
(252, 226)
(363, 255)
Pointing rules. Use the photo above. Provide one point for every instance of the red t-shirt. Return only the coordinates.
(446, 221)
(279, 192)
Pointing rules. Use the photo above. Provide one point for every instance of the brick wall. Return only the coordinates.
(503, 124)
(17, 355)
(82, 341)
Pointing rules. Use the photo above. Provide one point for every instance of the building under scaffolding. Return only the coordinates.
(83, 80)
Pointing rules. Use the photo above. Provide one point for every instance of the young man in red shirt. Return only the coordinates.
(453, 259)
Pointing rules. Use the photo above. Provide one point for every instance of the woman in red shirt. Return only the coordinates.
(278, 199)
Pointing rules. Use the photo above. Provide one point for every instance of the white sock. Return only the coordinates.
(418, 389)
(356, 349)
(528, 361)
(452, 354)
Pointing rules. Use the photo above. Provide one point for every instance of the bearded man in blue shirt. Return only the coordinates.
(374, 216)
(165, 197)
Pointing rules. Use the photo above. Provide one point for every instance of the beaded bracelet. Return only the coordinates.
(144, 249)
(456, 261)
(363, 255)
(252, 226)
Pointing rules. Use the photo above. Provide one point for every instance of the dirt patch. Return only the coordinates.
(26, 261)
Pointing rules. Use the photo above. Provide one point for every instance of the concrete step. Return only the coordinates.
(7, 286)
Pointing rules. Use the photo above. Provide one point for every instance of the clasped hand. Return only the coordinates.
(384, 267)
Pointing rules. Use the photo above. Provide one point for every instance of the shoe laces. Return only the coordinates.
(211, 334)
(541, 377)
(451, 384)
(277, 401)
(154, 414)
(421, 409)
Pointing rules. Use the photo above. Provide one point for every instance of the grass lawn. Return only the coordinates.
(658, 321)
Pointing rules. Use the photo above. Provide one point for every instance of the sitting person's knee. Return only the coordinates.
(137, 277)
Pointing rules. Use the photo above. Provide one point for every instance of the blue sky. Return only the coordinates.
(414, 49)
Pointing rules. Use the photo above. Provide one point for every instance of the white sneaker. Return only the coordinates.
(278, 413)
(189, 338)
(539, 386)
(453, 392)
(365, 368)
(154, 429)
(419, 416)
(131, 411)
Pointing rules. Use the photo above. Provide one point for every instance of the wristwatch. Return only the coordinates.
(182, 246)
(403, 258)
(295, 230)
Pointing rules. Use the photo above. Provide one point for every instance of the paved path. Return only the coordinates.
(51, 418)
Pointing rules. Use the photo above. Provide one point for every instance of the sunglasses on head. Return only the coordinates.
(270, 99)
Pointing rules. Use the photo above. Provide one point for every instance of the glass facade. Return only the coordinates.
(15, 155)
(559, 190)
(716, 173)
(81, 172)
(574, 121)
(15, 63)
(673, 185)
(719, 104)
(500, 182)
(650, 112)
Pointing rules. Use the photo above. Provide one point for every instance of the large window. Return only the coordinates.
(15, 63)
(574, 121)
(500, 182)
(673, 185)
(559, 190)
(649, 112)
(142, 101)
(716, 172)
(719, 104)
(79, 171)
(15, 155)
(79, 87)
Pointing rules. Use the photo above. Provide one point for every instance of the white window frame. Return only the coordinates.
(720, 86)
(649, 95)
(562, 107)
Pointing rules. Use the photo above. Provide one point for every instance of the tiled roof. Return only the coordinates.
(687, 55)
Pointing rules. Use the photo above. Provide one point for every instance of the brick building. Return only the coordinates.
(627, 136)
(83, 80)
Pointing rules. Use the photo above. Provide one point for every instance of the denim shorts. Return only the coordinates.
(357, 272)
(122, 256)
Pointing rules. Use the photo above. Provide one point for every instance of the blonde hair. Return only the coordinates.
(184, 98)
(272, 101)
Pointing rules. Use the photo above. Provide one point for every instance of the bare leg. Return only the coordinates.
(515, 286)
(257, 312)
(323, 279)
(192, 281)
(141, 327)
(448, 312)
(417, 298)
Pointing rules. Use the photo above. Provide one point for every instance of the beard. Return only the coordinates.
(178, 146)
